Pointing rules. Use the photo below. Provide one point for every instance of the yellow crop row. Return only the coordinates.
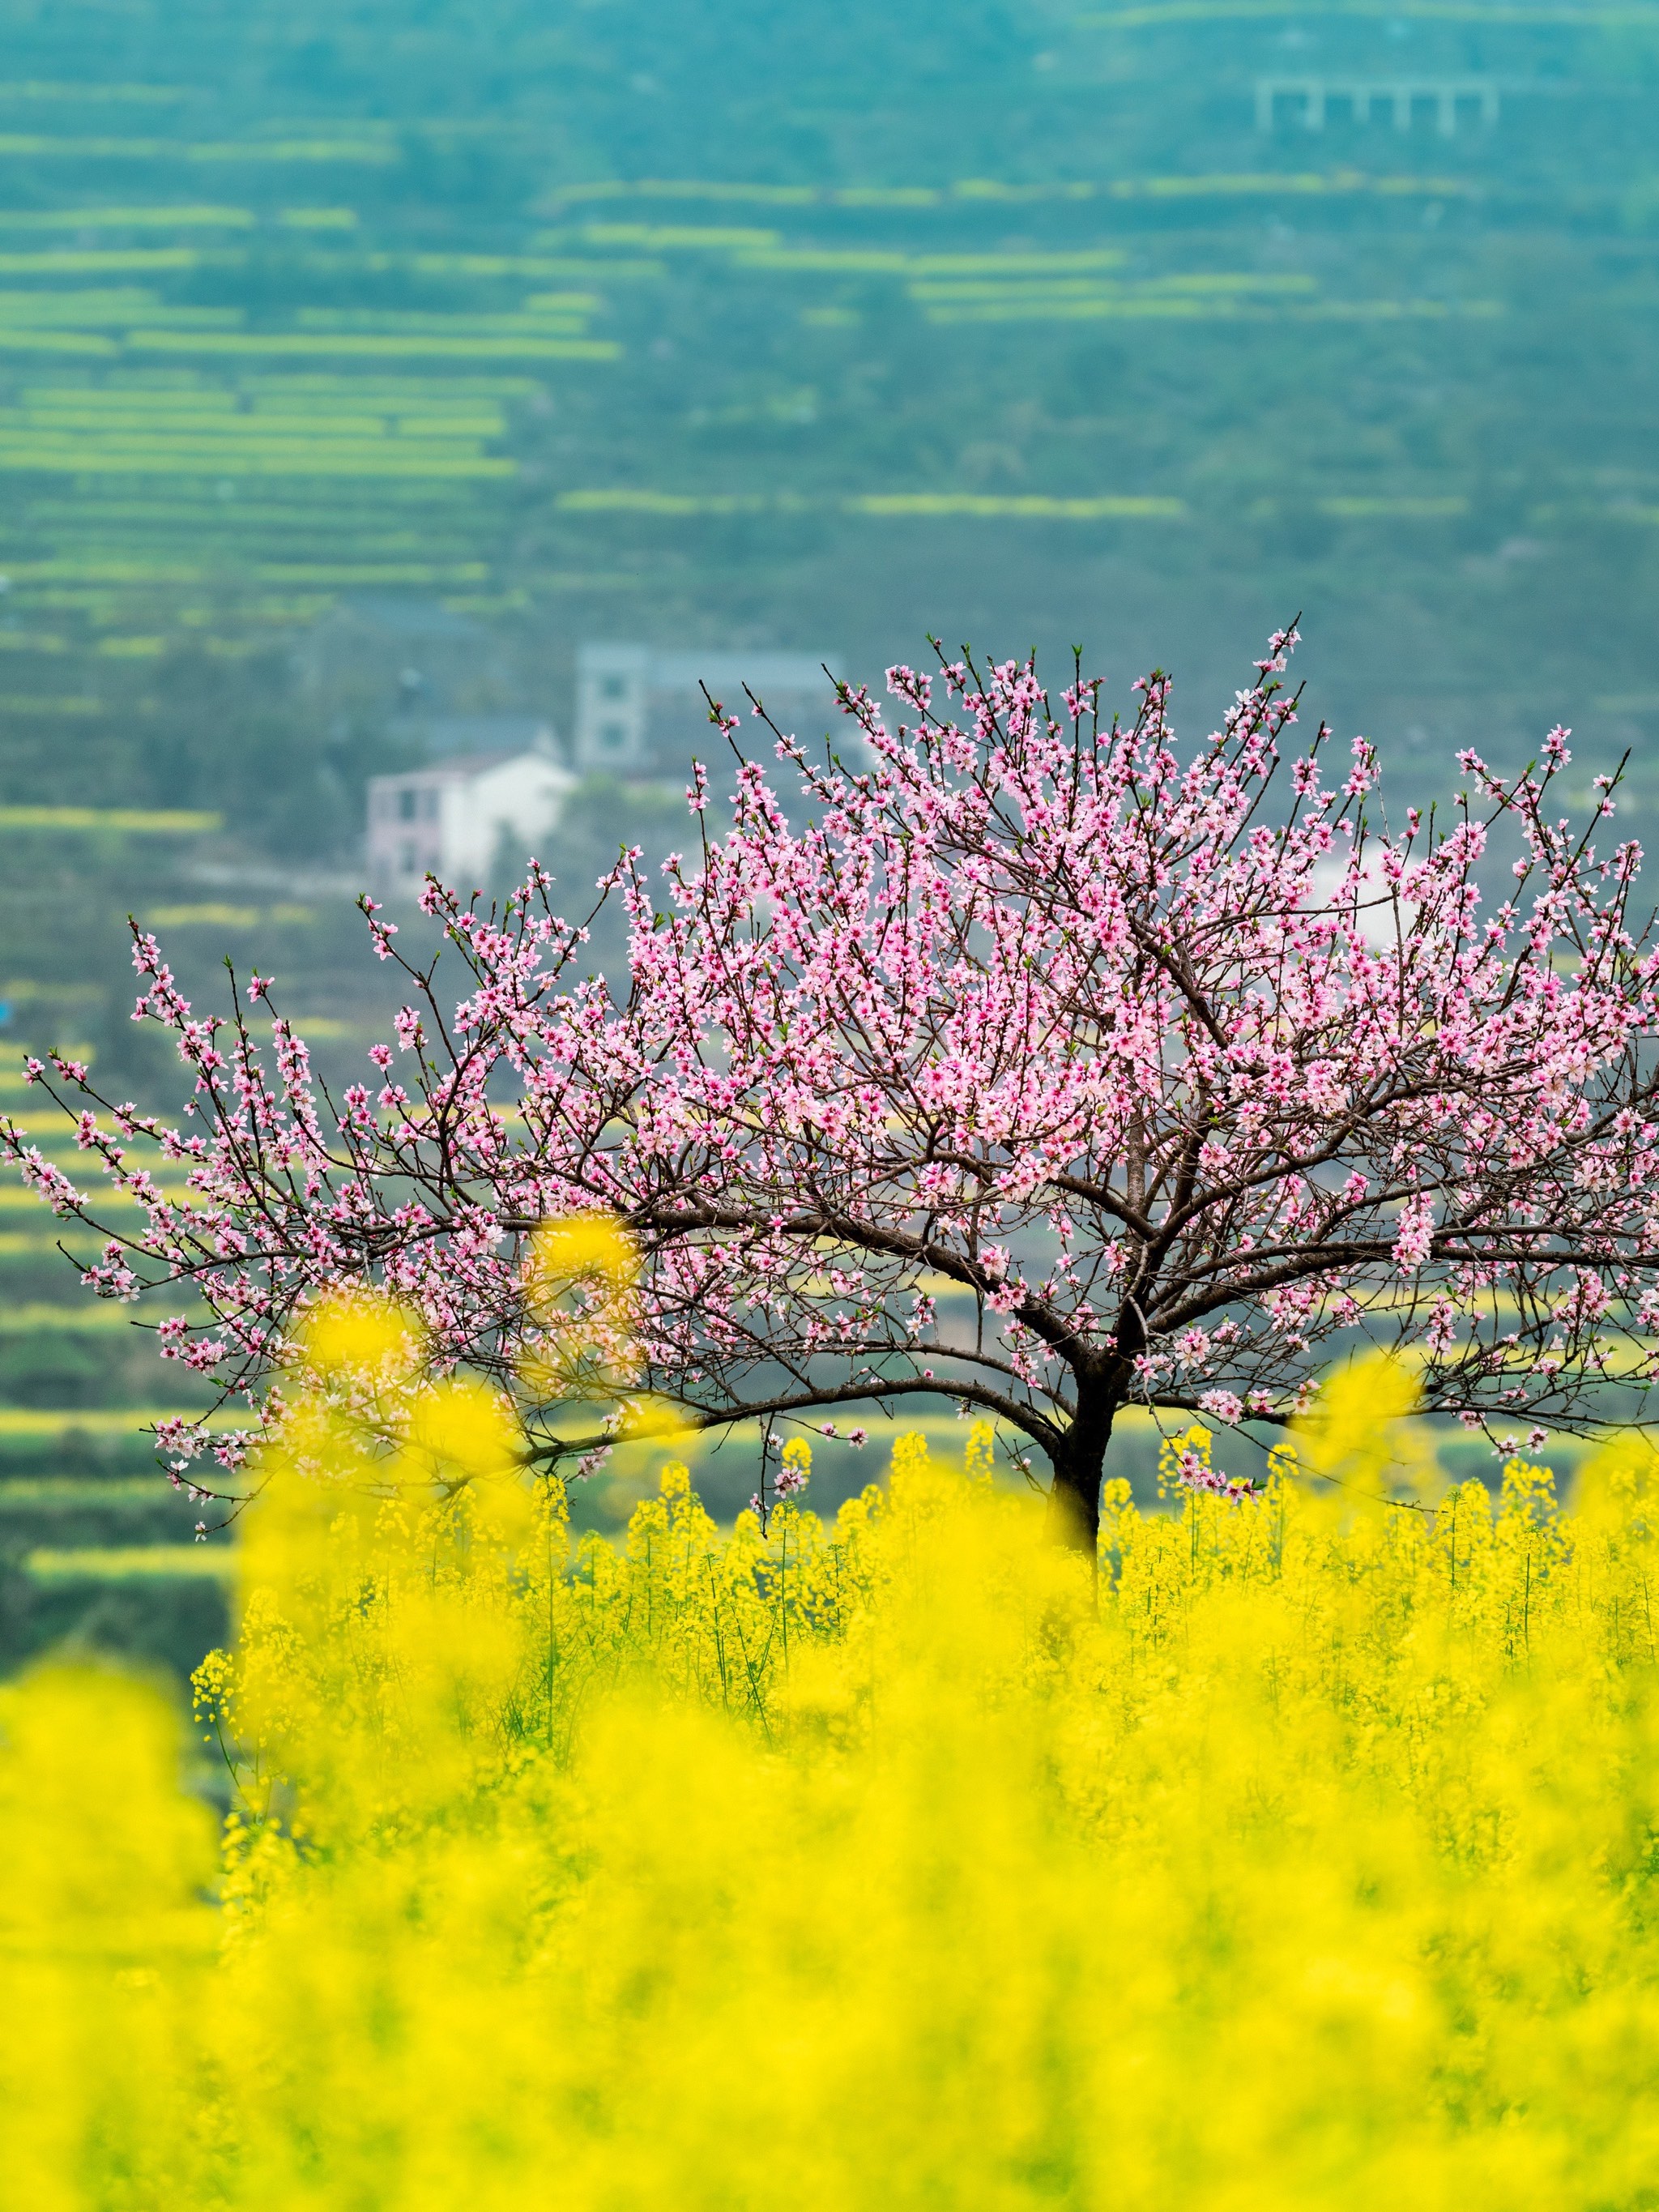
(563, 306)
(587, 268)
(629, 502)
(36, 147)
(37, 457)
(104, 1421)
(256, 423)
(137, 822)
(1024, 506)
(1184, 307)
(184, 216)
(43, 323)
(15, 1199)
(367, 345)
(1015, 506)
(392, 390)
(133, 1563)
(999, 191)
(214, 914)
(1199, 283)
(131, 821)
(462, 401)
(96, 305)
(455, 433)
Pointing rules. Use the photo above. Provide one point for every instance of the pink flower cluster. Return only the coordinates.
(1034, 1062)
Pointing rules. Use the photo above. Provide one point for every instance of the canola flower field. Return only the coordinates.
(1304, 1859)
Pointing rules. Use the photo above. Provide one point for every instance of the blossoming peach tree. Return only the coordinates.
(1034, 1064)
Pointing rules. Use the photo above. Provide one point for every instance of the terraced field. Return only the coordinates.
(502, 327)
(406, 352)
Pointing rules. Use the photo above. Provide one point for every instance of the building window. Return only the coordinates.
(406, 798)
(430, 808)
(408, 862)
(614, 687)
(614, 736)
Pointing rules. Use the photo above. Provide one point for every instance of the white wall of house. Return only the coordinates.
(453, 819)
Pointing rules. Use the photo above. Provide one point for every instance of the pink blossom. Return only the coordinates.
(1041, 1065)
(1415, 1233)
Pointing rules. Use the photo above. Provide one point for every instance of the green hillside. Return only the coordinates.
(1014, 320)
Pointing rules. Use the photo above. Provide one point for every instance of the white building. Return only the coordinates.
(1318, 100)
(639, 711)
(459, 817)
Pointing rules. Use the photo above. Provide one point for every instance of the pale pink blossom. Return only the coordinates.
(1041, 1064)
(1415, 1233)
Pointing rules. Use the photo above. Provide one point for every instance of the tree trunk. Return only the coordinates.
(1074, 1493)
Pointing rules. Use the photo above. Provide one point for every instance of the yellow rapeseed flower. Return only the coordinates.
(1305, 1859)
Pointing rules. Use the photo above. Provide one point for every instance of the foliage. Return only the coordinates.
(1307, 1862)
(233, 734)
(1172, 1077)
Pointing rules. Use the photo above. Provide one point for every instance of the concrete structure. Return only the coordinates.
(460, 818)
(639, 711)
(1357, 98)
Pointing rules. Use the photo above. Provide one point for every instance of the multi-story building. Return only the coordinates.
(640, 712)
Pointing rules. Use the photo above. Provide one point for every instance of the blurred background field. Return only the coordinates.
(359, 365)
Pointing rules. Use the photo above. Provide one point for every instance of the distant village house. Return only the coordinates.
(456, 818)
(497, 785)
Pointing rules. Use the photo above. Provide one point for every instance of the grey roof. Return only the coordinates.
(450, 734)
(460, 768)
(729, 671)
(722, 668)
